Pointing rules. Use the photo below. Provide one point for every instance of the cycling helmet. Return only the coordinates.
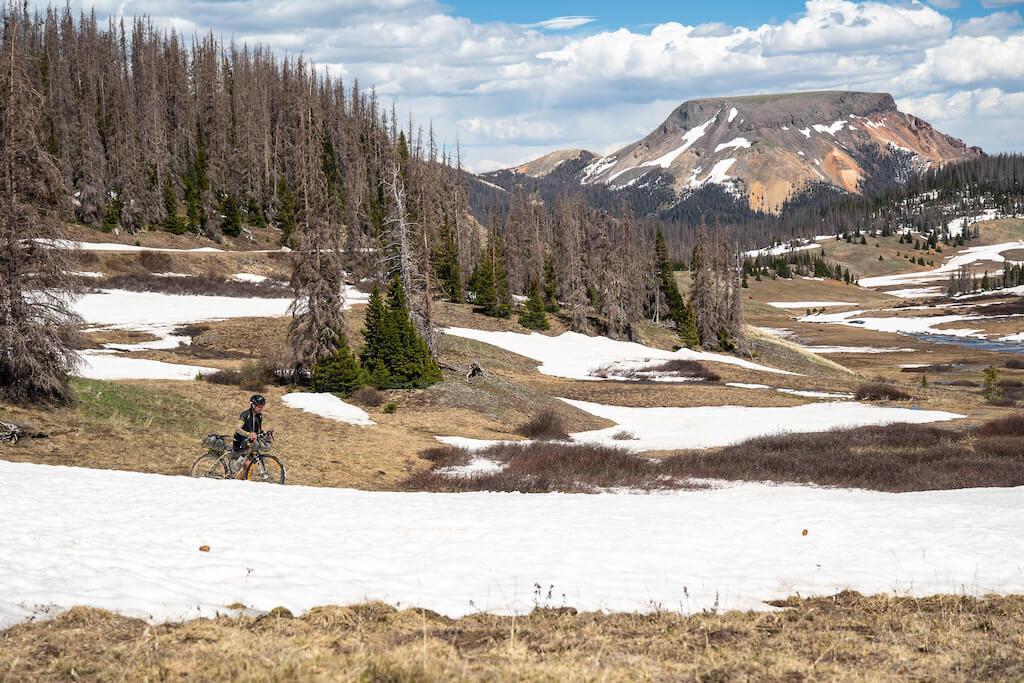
(257, 400)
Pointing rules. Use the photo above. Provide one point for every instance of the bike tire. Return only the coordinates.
(272, 472)
(209, 466)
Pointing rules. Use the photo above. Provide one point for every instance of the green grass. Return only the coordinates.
(138, 406)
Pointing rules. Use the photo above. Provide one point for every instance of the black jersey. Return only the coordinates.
(251, 422)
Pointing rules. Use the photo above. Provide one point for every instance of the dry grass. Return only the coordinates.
(898, 457)
(845, 637)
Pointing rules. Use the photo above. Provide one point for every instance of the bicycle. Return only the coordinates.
(256, 463)
(11, 433)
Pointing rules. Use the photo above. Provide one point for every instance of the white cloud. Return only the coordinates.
(563, 23)
(995, 24)
(509, 90)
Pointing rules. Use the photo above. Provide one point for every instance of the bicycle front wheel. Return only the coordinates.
(209, 466)
(266, 469)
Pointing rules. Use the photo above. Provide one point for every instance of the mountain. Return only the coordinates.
(764, 150)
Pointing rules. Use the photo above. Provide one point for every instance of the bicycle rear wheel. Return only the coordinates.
(209, 466)
(266, 469)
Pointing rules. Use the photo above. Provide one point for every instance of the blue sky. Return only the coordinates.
(639, 15)
(511, 81)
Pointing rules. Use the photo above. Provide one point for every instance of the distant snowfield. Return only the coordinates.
(328, 406)
(577, 356)
(901, 325)
(808, 304)
(669, 429)
(988, 253)
(780, 249)
(88, 537)
(115, 246)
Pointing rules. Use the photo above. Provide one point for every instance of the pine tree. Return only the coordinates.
(488, 281)
(446, 263)
(172, 223)
(534, 316)
(231, 223)
(550, 284)
(667, 286)
(37, 332)
(286, 221)
(338, 373)
(376, 336)
(395, 355)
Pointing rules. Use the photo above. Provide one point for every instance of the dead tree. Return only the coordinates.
(37, 327)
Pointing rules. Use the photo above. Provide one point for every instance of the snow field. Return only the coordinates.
(577, 356)
(665, 429)
(808, 304)
(986, 253)
(329, 406)
(670, 429)
(105, 539)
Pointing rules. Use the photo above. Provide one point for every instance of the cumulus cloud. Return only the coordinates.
(506, 90)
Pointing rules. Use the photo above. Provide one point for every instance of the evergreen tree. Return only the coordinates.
(550, 284)
(286, 221)
(489, 283)
(395, 355)
(231, 224)
(112, 214)
(338, 373)
(688, 334)
(665, 275)
(376, 336)
(534, 316)
(446, 263)
(172, 223)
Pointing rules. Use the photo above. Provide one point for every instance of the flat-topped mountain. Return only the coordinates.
(770, 148)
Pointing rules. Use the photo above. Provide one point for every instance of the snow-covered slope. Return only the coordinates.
(131, 542)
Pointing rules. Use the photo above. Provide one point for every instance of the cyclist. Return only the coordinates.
(250, 425)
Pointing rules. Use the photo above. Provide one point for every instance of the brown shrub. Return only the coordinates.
(1015, 364)
(1011, 425)
(932, 369)
(191, 330)
(687, 368)
(369, 396)
(544, 467)
(960, 383)
(880, 391)
(155, 261)
(251, 376)
(897, 457)
(547, 425)
(201, 285)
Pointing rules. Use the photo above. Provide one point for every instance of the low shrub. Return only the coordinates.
(897, 457)
(961, 383)
(547, 425)
(251, 376)
(880, 391)
(390, 408)
(1015, 364)
(1011, 425)
(198, 285)
(369, 396)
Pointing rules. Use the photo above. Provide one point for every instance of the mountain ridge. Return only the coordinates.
(768, 149)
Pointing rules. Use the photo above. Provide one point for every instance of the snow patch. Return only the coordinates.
(808, 304)
(738, 143)
(830, 130)
(577, 356)
(733, 114)
(329, 406)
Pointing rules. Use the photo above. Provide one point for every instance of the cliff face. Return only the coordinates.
(768, 148)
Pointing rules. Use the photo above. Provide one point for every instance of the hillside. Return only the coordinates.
(768, 149)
